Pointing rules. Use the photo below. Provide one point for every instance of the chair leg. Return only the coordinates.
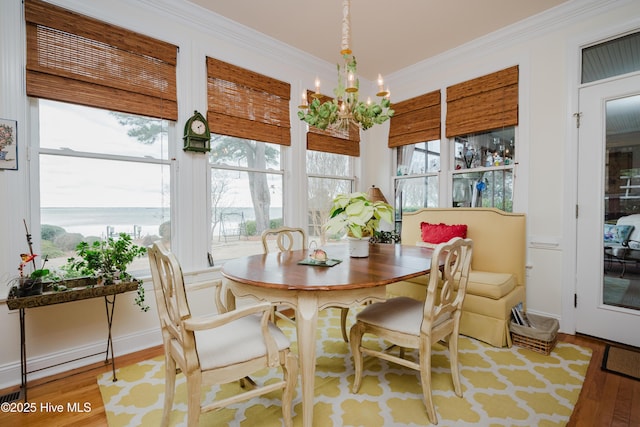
(455, 366)
(194, 404)
(169, 389)
(344, 312)
(355, 339)
(290, 371)
(425, 379)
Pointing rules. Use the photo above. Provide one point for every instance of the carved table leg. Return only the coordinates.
(307, 325)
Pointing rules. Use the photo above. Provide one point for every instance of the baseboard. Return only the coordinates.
(78, 357)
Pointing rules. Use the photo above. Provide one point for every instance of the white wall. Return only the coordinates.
(544, 150)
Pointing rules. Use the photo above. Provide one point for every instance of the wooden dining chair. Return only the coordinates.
(408, 323)
(216, 349)
(286, 241)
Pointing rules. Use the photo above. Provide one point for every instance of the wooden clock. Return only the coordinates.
(197, 136)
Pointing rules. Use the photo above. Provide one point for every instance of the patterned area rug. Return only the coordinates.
(502, 387)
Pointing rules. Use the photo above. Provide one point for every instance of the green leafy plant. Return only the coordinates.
(108, 260)
(357, 215)
(385, 237)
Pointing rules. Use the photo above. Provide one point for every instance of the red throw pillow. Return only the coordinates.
(440, 233)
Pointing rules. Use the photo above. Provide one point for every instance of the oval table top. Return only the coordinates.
(386, 263)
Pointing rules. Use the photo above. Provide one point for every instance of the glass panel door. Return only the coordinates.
(608, 233)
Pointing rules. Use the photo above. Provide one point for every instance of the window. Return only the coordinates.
(330, 157)
(416, 180)
(611, 58)
(482, 114)
(105, 96)
(415, 135)
(248, 114)
(246, 194)
(328, 174)
(482, 175)
(110, 175)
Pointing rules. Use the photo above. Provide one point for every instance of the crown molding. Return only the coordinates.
(553, 19)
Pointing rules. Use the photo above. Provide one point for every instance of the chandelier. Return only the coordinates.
(345, 108)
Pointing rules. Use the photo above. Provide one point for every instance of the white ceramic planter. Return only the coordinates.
(358, 248)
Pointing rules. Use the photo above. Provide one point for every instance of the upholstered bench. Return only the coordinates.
(497, 277)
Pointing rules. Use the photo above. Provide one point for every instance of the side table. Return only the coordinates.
(108, 292)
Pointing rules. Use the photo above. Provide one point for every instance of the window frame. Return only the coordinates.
(351, 178)
(282, 172)
(35, 151)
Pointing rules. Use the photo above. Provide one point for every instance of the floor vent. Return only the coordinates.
(10, 397)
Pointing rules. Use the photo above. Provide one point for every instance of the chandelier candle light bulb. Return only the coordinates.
(303, 103)
(345, 109)
(381, 91)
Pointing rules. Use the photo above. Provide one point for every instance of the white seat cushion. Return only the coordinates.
(243, 335)
(402, 314)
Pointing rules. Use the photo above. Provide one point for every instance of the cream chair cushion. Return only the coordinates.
(243, 335)
(403, 315)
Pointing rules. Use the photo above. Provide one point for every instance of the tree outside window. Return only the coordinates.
(246, 194)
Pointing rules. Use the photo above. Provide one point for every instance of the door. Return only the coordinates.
(608, 270)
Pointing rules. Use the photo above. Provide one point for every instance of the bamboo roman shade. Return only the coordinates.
(482, 104)
(415, 120)
(333, 141)
(77, 59)
(246, 104)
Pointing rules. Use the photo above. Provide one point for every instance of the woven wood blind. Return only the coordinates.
(485, 103)
(246, 104)
(77, 59)
(482, 104)
(415, 120)
(333, 141)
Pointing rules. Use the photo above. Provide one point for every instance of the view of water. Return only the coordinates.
(94, 221)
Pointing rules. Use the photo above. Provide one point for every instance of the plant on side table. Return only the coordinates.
(27, 284)
(359, 217)
(108, 261)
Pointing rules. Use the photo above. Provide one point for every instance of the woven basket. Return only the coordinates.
(541, 338)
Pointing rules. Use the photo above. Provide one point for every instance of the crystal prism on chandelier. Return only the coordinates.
(345, 108)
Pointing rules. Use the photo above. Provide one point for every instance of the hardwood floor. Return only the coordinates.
(606, 399)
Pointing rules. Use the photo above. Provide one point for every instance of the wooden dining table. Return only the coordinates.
(278, 277)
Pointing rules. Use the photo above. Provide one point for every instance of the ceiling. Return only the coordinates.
(386, 36)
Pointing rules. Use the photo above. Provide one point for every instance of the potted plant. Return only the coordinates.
(108, 261)
(359, 217)
(28, 284)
